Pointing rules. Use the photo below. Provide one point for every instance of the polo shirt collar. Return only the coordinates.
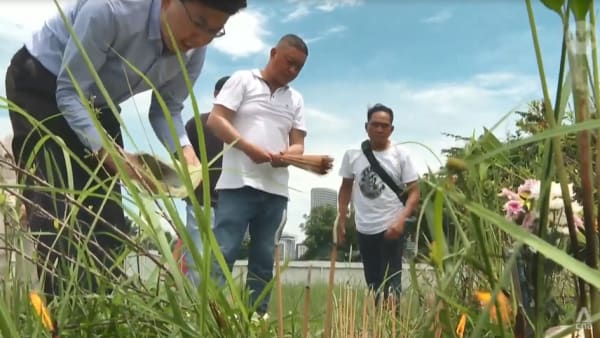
(257, 74)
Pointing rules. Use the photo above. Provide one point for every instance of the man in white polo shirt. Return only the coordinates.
(263, 115)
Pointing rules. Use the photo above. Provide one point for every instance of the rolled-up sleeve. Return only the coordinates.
(299, 119)
(174, 92)
(95, 28)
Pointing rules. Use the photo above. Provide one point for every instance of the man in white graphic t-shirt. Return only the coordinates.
(380, 213)
(265, 116)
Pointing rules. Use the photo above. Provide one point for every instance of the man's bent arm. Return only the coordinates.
(344, 195)
(413, 199)
(95, 29)
(219, 122)
(296, 142)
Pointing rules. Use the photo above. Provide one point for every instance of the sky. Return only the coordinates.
(443, 66)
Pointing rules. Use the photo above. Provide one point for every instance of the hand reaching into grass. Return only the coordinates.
(190, 156)
(133, 168)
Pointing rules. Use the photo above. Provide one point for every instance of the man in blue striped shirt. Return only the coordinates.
(50, 79)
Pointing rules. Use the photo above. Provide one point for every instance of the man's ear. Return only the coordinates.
(392, 129)
(366, 125)
(273, 52)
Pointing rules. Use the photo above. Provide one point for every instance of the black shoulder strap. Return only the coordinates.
(385, 177)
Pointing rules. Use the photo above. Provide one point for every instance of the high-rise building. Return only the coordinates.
(287, 248)
(322, 196)
(301, 249)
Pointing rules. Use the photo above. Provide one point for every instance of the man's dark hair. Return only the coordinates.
(294, 41)
(228, 6)
(220, 83)
(379, 107)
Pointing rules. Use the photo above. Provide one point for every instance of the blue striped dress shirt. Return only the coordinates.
(110, 30)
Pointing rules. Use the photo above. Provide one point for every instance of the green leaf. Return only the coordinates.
(560, 257)
(555, 5)
(7, 325)
(580, 8)
(483, 170)
(438, 248)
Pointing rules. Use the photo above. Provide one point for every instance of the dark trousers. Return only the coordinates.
(382, 263)
(66, 211)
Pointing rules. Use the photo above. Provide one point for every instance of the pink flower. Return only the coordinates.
(530, 189)
(513, 208)
(511, 195)
(578, 222)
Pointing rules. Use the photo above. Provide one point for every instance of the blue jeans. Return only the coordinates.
(193, 229)
(265, 215)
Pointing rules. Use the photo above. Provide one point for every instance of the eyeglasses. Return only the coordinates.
(380, 125)
(201, 24)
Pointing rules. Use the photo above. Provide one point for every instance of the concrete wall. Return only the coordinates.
(293, 272)
(13, 226)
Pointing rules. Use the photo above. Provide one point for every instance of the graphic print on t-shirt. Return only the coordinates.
(370, 184)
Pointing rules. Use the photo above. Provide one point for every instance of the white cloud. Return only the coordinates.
(245, 33)
(327, 33)
(303, 7)
(337, 29)
(438, 17)
(324, 118)
(298, 13)
(21, 18)
(331, 5)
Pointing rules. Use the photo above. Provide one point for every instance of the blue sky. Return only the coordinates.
(443, 66)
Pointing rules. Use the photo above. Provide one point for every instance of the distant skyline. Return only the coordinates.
(443, 66)
(320, 196)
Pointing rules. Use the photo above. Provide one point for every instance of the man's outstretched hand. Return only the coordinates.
(133, 167)
(190, 157)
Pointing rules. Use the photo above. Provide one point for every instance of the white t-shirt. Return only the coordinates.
(263, 119)
(376, 205)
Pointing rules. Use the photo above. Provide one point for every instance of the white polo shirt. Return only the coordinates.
(264, 119)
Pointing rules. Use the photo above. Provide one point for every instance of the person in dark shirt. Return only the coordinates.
(214, 147)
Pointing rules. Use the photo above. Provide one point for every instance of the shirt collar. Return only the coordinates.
(257, 74)
(154, 21)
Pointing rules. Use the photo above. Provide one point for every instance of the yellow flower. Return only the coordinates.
(485, 298)
(41, 310)
(460, 328)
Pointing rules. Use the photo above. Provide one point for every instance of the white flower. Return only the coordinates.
(562, 219)
(577, 208)
(556, 191)
(556, 204)
(562, 230)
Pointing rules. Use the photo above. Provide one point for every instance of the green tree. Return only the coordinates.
(318, 230)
